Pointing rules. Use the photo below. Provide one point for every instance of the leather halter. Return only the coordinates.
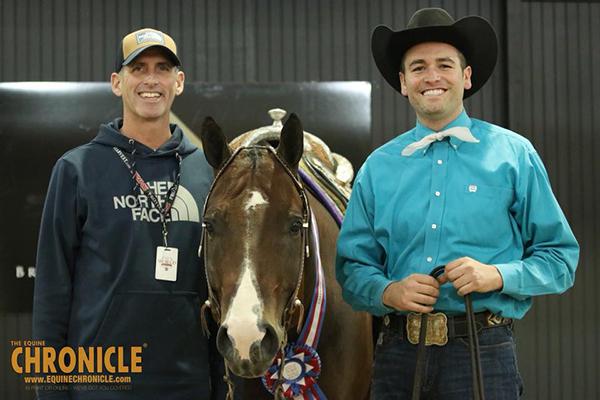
(293, 302)
(478, 393)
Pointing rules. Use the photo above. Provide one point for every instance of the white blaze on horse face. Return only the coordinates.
(256, 199)
(244, 314)
(246, 308)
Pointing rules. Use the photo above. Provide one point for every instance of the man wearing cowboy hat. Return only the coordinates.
(453, 191)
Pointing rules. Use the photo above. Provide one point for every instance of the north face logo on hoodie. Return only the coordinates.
(184, 207)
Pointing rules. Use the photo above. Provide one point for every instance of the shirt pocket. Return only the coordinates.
(485, 216)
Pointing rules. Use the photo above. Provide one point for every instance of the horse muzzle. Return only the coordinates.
(249, 356)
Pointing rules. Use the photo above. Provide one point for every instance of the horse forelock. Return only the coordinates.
(255, 155)
(252, 169)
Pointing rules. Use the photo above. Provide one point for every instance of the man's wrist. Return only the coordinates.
(385, 295)
(499, 281)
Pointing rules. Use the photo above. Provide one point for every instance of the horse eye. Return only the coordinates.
(296, 226)
(209, 228)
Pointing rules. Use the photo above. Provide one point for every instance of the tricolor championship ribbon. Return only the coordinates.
(300, 373)
(302, 363)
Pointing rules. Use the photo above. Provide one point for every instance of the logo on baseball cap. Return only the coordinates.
(136, 42)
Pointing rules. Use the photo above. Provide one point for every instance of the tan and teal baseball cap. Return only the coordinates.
(136, 42)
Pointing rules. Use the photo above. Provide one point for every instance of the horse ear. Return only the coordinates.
(291, 141)
(214, 143)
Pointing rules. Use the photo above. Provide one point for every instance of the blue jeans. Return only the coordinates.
(447, 374)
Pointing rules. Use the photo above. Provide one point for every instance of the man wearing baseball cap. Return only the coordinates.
(457, 192)
(117, 270)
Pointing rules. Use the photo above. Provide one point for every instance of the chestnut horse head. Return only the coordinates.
(255, 233)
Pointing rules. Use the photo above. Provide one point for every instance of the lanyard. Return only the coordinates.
(171, 193)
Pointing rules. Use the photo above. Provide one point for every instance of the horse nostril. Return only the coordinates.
(224, 344)
(271, 341)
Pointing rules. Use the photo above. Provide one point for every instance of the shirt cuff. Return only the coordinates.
(510, 277)
(380, 308)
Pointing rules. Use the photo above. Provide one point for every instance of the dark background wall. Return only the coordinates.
(553, 59)
(544, 87)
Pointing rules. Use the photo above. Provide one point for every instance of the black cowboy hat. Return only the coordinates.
(472, 35)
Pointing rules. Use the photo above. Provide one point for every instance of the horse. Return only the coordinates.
(259, 257)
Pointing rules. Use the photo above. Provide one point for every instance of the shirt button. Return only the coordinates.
(440, 162)
(433, 226)
(429, 259)
(437, 193)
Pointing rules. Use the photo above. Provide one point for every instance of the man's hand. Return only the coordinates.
(416, 292)
(468, 275)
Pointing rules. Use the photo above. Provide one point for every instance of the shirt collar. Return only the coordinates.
(462, 120)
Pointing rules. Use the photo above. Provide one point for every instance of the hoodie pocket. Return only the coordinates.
(165, 325)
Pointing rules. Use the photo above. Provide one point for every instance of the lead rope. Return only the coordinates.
(207, 304)
(229, 382)
(279, 392)
(478, 392)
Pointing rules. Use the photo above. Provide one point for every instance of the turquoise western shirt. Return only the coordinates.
(490, 201)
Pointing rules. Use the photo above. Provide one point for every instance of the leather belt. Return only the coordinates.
(457, 324)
